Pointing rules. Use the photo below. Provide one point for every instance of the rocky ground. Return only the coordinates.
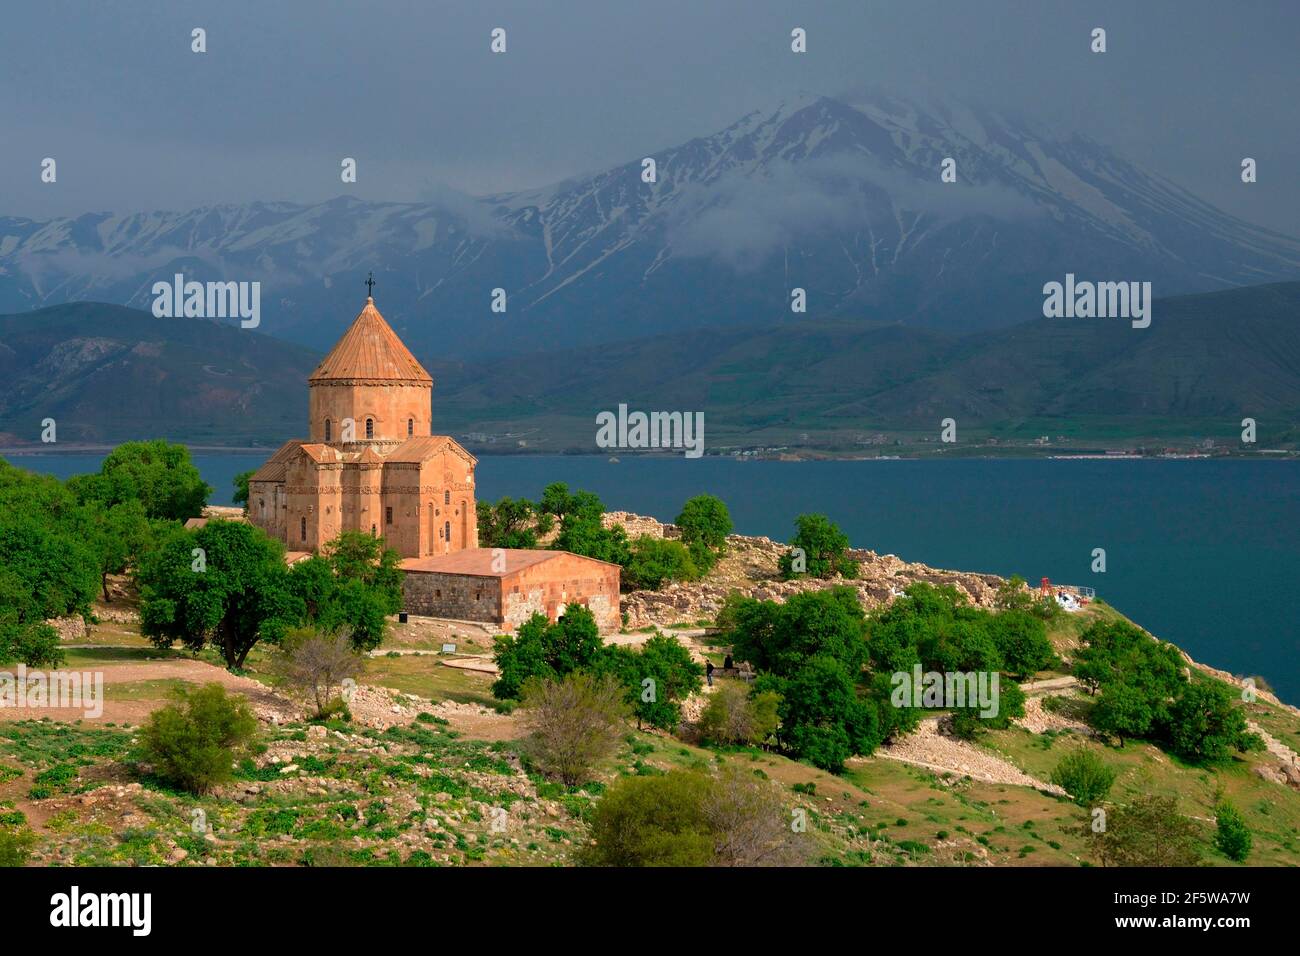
(750, 566)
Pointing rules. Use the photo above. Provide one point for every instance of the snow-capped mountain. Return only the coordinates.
(840, 197)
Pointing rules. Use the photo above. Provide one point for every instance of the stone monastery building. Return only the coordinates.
(372, 464)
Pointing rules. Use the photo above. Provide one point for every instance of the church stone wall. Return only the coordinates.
(390, 406)
(513, 598)
(462, 597)
(568, 578)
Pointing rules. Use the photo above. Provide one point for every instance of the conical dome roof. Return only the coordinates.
(370, 351)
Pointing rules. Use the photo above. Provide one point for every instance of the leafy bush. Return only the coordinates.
(16, 844)
(193, 742)
(658, 561)
(687, 818)
(574, 722)
(1231, 836)
(734, 715)
(1084, 776)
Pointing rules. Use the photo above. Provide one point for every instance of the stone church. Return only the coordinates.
(371, 462)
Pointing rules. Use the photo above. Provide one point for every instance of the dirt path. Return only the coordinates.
(265, 702)
(928, 748)
(1047, 686)
(1274, 746)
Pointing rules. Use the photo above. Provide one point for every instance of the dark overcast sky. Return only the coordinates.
(286, 89)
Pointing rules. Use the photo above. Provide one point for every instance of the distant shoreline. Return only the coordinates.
(1271, 454)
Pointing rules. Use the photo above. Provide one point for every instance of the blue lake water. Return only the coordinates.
(1202, 553)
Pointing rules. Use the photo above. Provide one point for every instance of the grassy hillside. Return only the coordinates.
(423, 791)
(106, 374)
(1205, 362)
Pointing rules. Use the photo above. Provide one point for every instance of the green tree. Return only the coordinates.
(704, 523)
(225, 583)
(963, 643)
(657, 561)
(656, 677)
(511, 523)
(705, 518)
(193, 742)
(1013, 595)
(1021, 639)
(35, 644)
(810, 651)
(118, 535)
(240, 481)
(542, 649)
(47, 568)
(1205, 726)
(357, 556)
(970, 721)
(781, 638)
(355, 583)
(823, 548)
(582, 530)
(1138, 678)
(155, 473)
(823, 720)
(358, 608)
(1084, 776)
(1231, 835)
(1125, 711)
(1117, 652)
(1147, 832)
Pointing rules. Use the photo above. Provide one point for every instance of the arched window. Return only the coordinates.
(446, 497)
(373, 532)
(410, 427)
(328, 431)
(446, 530)
(303, 527)
(370, 428)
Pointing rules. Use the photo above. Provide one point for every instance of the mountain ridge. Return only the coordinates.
(107, 373)
(840, 197)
